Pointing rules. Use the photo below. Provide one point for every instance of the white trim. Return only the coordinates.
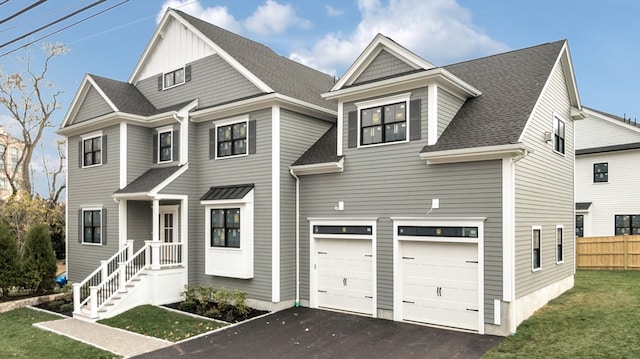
(560, 226)
(122, 225)
(508, 230)
(123, 155)
(451, 221)
(432, 117)
(313, 260)
(275, 204)
(172, 209)
(381, 102)
(161, 131)
(496, 312)
(166, 182)
(340, 128)
(476, 154)
(319, 168)
(556, 122)
(230, 122)
(102, 226)
(91, 137)
(165, 87)
(534, 228)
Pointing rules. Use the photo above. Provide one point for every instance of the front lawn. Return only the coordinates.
(20, 339)
(598, 318)
(161, 323)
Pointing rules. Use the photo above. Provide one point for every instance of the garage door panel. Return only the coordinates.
(440, 283)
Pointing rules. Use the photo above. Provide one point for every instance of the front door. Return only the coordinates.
(169, 234)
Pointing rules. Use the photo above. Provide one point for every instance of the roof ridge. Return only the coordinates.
(504, 53)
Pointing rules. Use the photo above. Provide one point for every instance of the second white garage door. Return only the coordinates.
(440, 283)
(345, 274)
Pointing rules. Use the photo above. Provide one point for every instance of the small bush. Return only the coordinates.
(39, 269)
(188, 305)
(66, 308)
(229, 305)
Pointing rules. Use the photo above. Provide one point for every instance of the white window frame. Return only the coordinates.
(232, 121)
(164, 74)
(160, 131)
(91, 136)
(561, 227)
(533, 229)
(363, 105)
(102, 224)
(556, 126)
(228, 261)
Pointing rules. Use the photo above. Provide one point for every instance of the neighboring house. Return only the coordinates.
(405, 191)
(607, 175)
(10, 153)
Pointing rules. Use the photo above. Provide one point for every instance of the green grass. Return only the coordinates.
(598, 318)
(161, 323)
(20, 339)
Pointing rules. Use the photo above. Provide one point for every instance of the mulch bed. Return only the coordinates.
(222, 316)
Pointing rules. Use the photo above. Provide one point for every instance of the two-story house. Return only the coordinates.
(607, 175)
(404, 190)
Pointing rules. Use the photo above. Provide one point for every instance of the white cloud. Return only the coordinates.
(274, 18)
(218, 15)
(441, 31)
(333, 12)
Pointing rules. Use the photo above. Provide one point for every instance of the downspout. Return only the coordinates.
(297, 237)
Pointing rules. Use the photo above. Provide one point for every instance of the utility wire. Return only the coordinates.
(64, 28)
(52, 23)
(22, 11)
(47, 15)
(4, 2)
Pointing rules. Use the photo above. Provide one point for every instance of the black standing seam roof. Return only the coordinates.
(582, 206)
(219, 193)
(149, 180)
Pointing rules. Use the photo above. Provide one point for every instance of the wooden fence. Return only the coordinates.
(612, 253)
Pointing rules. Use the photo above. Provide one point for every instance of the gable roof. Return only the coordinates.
(511, 84)
(124, 96)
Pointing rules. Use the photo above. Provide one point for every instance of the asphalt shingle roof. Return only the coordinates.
(126, 97)
(323, 151)
(283, 75)
(510, 83)
(149, 180)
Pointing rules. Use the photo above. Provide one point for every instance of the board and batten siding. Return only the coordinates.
(213, 82)
(297, 133)
(91, 187)
(589, 133)
(620, 195)
(448, 106)
(253, 168)
(92, 106)
(391, 180)
(544, 192)
(384, 65)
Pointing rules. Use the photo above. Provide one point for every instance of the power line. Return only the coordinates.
(22, 11)
(64, 28)
(52, 23)
(42, 16)
(4, 2)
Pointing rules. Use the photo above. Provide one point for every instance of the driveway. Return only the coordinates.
(313, 333)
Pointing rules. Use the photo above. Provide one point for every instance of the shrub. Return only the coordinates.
(39, 260)
(9, 260)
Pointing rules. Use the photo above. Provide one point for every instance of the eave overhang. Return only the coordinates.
(485, 153)
(153, 193)
(261, 102)
(115, 118)
(318, 168)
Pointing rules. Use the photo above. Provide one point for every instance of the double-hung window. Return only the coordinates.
(536, 258)
(225, 228)
(92, 226)
(559, 244)
(92, 151)
(558, 135)
(231, 139)
(165, 146)
(627, 224)
(601, 172)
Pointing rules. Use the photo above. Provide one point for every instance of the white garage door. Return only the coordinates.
(345, 276)
(440, 283)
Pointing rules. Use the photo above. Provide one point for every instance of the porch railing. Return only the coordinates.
(104, 283)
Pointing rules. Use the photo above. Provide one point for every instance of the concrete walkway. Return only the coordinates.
(118, 341)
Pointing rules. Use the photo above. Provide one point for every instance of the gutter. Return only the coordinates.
(297, 236)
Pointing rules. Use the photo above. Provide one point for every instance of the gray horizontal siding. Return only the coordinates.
(448, 106)
(139, 151)
(92, 106)
(254, 168)
(91, 187)
(544, 192)
(391, 181)
(384, 65)
(297, 134)
(213, 81)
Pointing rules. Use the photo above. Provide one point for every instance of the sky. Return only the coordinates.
(109, 38)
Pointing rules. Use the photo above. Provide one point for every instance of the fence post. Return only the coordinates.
(626, 252)
(94, 301)
(76, 297)
(104, 273)
(123, 277)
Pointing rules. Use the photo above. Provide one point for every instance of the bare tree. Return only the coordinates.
(54, 175)
(30, 100)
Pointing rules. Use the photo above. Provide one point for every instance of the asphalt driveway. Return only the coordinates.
(313, 333)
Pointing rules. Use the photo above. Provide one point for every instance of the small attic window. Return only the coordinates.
(174, 78)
